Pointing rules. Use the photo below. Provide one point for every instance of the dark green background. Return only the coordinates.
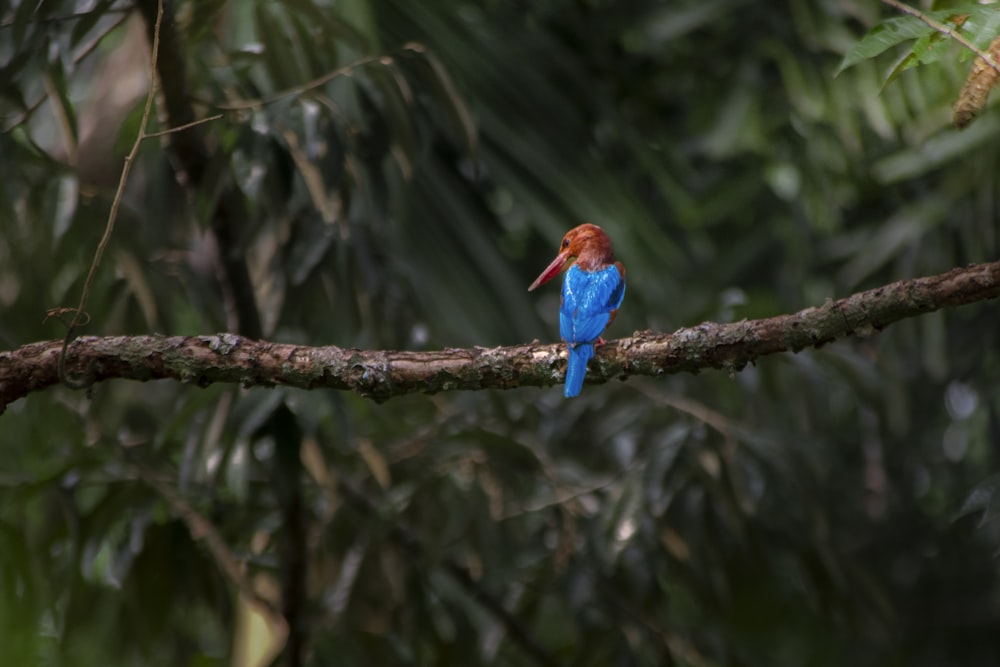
(808, 510)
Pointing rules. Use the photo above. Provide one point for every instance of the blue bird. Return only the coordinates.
(592, 292)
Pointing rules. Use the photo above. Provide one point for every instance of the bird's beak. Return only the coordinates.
(552, 270)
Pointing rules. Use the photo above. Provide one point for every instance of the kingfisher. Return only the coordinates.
(592, 291)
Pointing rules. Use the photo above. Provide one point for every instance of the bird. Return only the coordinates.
(592, 292)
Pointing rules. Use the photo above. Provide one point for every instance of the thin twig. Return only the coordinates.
(944, 30)
(238, 105)
(115, 205)
(704, 414)
(563, 496)
(181, 128)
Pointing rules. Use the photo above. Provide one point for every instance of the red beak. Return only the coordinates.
(552, 270)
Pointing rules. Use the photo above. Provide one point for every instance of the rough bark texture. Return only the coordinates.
(380, 375)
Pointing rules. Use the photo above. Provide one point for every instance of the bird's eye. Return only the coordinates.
(565, 243)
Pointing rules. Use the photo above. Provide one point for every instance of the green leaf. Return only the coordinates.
(396, 101)
(433, 78)
(315, 60)
(60, 84)
(882, 37)
(279, 57)
(331, 23)
(86, 22)
(24, 23)
(129, 128)
(982, 26)
(929, 48)
(976, 22)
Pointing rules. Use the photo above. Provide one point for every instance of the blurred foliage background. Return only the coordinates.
(826, 508)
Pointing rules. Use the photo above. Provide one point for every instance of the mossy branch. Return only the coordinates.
(383, 374)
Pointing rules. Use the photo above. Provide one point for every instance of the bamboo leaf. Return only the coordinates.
(433, 78)
(67, 111)
(87, 21)
(396, 99)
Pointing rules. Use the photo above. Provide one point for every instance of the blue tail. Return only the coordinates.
(579, 355)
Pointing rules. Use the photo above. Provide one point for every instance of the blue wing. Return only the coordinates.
(588, 298)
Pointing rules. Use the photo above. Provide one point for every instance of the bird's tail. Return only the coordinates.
(579, 355)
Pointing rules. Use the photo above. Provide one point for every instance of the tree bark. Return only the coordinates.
(383, 374)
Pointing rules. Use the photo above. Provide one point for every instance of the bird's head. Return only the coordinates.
(587, 245)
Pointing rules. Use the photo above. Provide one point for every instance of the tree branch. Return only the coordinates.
(383, 374)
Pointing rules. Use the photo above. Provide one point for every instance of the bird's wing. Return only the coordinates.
(618, 294)
(587, 301)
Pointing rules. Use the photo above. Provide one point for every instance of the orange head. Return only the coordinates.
(587, 245)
